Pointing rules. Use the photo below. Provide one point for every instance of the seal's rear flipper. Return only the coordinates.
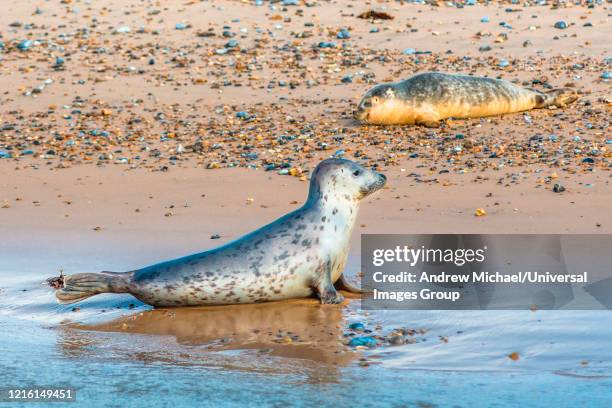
(557, 97)
(343, 284)
(83, 285)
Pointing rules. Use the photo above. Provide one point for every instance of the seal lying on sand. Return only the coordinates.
(299, 254)
(426, 99)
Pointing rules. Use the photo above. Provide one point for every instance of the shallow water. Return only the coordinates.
(171, 358)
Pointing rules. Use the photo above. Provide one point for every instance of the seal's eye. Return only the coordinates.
(375, 99)
(356, 173)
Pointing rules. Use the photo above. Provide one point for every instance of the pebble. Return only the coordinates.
(25, 45)
(562, 25)
(480, 212)
(365, 341)
(343, 34)
(231, 44)
(327, 44)
(503, 63)
(396, 340)
(558, 188)
(357, 326)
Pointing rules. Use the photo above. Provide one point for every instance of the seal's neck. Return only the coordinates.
(338, 210)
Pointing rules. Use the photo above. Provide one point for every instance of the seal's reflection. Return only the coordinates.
(301, 329)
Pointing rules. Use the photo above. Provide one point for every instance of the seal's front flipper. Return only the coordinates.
(325, 287)
(429, 123)
(343, 284)
(83, 285)
(330, 296)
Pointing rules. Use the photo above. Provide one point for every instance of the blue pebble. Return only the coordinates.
(357, 326)
(588, 160)
(181, 26)
(327, 44)
(503, 63)
(347, 79)
(363, 341)
(290, 2)
(242, 115)
(343, 34)
(374, 29)
(231, 44)
(221, 51)
(4, 154)
(606, 75)
(27, 152)
(25, 45)
(409, 51)
(485, 20)
(561, 25)
(339, 153)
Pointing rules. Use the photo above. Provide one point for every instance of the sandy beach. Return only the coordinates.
(133, 132)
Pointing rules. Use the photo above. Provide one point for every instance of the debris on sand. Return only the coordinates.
(480, 212)
(57, 282)
(375, 15)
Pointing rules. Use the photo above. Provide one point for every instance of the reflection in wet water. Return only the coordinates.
(300, 329)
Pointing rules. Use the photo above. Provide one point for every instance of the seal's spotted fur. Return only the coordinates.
(426, 99)
(300, 254)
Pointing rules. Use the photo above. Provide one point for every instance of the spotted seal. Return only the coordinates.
(298, 255)
(427, 98)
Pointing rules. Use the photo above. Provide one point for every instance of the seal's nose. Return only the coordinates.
(359, 114)
(383, 177)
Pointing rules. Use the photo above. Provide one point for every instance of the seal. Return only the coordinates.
(298, 255)
(428, 98)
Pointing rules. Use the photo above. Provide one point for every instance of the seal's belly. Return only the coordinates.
(211, 282)
(462, 109)
(458, 106)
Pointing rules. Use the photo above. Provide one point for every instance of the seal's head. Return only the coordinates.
(376, 103)
(335, 179)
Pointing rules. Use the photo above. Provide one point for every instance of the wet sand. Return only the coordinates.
(292, 329)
